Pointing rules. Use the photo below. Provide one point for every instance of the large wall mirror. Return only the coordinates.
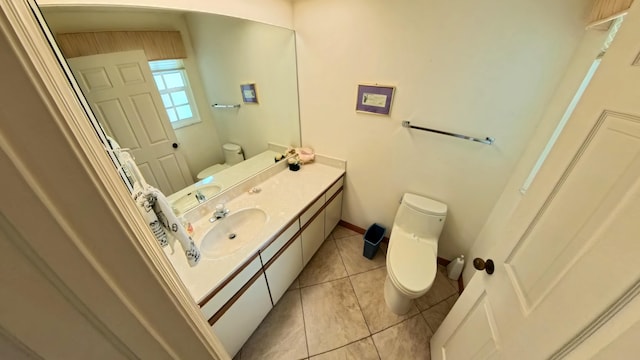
(166, 86)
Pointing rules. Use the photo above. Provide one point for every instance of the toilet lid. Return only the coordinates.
(413, 263)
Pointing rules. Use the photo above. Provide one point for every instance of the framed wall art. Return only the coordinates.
(374, 99)
(249, 94)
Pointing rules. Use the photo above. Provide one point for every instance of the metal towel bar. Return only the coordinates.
(488, 140)
(226, 106)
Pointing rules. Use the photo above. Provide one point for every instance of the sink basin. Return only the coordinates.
(189, 200)
(232, 233)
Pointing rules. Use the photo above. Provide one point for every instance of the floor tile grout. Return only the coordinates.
(324, 282)
(366, 271)
(439, 302)
(354, 290)
(304, 322)
(343, 253)
(340, 347)
(360, 307)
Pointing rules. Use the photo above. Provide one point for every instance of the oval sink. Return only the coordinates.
(233, 232)
(189, 201)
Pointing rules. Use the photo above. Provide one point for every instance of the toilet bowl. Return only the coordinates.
(413, 251)
(232, 155)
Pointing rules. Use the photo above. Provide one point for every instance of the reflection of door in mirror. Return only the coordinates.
(217, 54)
(121, 92)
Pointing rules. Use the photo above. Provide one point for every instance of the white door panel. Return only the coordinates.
(566, 276)
(123, 95)
(477, 337)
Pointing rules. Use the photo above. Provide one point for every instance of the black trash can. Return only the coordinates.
(372, 239)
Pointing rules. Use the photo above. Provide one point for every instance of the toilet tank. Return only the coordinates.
(421, 216)
(232, 153)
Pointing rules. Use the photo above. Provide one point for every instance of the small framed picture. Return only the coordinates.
(374, 99)
(249, 94)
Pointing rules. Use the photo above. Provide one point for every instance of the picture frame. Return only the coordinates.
(374, 99)
(249, 93)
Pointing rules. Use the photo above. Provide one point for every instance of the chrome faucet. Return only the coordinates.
(220, 213)
(200, 197)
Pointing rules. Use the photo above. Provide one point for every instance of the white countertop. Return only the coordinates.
(283, 196)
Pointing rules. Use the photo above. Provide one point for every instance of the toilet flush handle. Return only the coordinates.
(487, 266)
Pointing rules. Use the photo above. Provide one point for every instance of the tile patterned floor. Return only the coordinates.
(336, 310)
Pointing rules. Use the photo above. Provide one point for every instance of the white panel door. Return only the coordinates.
(123, 96)
(567, 278)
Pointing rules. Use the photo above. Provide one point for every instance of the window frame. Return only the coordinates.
(178, 68)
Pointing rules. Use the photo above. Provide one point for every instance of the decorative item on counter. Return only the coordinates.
(289, 152)
(294, 163)
(279, 157)
(305, 155)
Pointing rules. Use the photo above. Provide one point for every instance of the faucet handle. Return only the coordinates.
(221, 210)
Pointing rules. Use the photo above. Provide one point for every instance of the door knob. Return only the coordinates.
(487, 266)
(174, 145)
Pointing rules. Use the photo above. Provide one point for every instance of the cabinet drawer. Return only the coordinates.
(312, 210)
(334, 188)
(237, 282)
(277, 244)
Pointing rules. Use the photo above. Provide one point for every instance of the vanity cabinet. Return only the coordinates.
(246, 313)
(312, 237)
(238, 306)
(333, 210)
(284, 268)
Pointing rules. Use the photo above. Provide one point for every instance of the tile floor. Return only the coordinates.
(336, 310)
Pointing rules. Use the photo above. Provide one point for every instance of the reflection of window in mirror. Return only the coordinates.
(173, 84)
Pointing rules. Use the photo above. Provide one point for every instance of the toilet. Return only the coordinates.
(413, 251)
(232, 155)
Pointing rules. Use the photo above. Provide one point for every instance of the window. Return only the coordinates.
(172, 83)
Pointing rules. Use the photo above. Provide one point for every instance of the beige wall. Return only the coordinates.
(275, 12)
(199, 142)
(480, 68)
(233, 51)
(500, 216)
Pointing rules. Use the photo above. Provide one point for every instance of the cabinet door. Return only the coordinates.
(312, 237)
(332, 214)
(243, 317)
(284, 269)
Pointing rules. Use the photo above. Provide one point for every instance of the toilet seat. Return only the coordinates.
(411, 264)
(211, 170)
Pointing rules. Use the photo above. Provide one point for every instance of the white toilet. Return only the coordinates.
(232, 155)
(413, 251)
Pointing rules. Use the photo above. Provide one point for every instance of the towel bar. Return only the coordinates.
(488, 140)
(226, 106)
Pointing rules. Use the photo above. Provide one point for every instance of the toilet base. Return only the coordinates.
(397, 302)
